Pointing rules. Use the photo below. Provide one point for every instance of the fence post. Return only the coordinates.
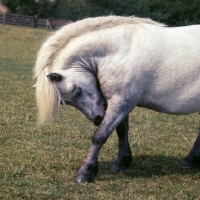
(35, 21)
(48, 25)
(4, 17)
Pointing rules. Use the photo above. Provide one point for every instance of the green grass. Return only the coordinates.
(41, 162)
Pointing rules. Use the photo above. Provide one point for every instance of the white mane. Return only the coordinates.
(61, 37)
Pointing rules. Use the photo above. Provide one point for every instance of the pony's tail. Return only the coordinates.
(48, 98)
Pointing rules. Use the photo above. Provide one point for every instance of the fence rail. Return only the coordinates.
(23, 20)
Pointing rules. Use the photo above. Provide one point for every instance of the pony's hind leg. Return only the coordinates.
(193, 158)
(124, 157)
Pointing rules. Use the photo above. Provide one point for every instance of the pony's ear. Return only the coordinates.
(55, 77)
(34, 86)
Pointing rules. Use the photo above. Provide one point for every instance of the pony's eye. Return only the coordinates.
(98, 86)
(79, 92)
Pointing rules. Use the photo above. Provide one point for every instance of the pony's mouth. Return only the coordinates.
(97, 121)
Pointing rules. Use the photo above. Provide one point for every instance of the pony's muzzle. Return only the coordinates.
(97, 121)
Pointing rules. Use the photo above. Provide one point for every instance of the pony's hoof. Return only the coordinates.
(120, 164)
(115, 168)
(84, 178)
(87, 173)
(186, 165)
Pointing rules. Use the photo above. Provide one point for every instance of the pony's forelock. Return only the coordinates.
(48, 98)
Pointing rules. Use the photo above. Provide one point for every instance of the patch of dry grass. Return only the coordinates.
(41, 162)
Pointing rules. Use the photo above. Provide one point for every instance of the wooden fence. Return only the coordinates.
(1, 17)
(23, 20)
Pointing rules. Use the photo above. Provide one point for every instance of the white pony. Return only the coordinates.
(106, 66)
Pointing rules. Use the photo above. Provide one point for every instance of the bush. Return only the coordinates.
(171, 12)
(42, 8)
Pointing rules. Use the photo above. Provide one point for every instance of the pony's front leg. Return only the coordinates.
(89, 168)
(193, 158)
(124, 157)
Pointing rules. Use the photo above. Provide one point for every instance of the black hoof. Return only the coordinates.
(191, 160)
(87, 174)
(83, 177)
(186, 165)
(120, 164)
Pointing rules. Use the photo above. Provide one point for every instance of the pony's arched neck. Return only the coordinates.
(81, 56)
(89, 51)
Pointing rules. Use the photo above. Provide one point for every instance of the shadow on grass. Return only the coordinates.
(146, 167)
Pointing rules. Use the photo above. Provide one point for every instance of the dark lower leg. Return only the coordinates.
(89, 168)
(112, 119)
(124, 157)
(193, 158)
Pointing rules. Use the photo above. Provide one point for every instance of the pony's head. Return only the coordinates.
(75, 85)
(80, 90)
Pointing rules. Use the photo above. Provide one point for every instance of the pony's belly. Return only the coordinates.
(174, 107)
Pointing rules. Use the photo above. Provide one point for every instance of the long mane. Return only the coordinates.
(61, 37)
(48, 96)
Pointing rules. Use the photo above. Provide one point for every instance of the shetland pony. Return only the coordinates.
(106, 66)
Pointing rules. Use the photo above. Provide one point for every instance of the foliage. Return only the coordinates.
(172, 12)
(43, 8)
(176, 12)
(73, 10)
(41, 162)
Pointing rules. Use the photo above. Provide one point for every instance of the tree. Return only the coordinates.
(171, 12)
(45, 8)
(42, 8)
(12, 5)
(27, 7)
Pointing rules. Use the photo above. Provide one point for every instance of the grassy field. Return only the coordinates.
(41, 162)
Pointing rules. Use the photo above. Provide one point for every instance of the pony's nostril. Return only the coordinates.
(98, 120)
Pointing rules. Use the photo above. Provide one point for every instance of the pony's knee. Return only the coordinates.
(98, 139)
